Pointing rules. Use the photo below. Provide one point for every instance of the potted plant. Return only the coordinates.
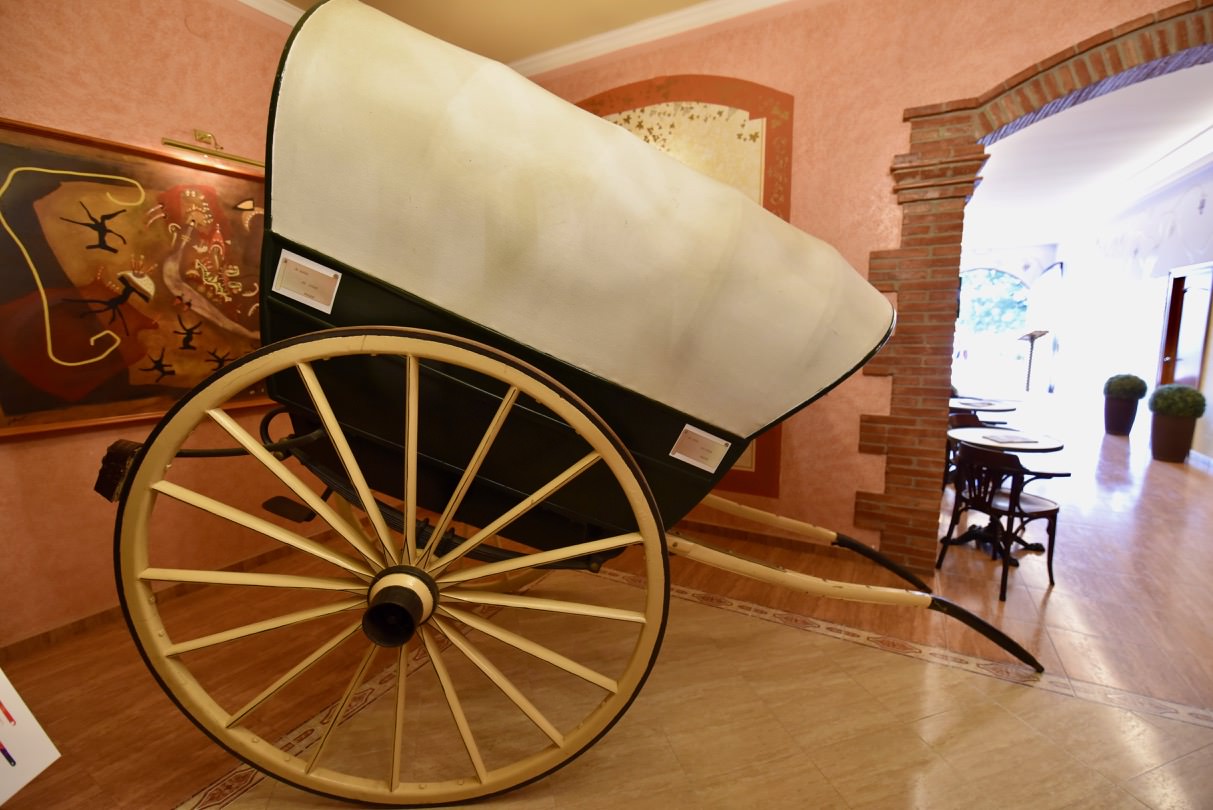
(1176, 408)
(1121, 394)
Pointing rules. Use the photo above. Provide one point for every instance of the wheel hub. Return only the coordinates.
(400, 599)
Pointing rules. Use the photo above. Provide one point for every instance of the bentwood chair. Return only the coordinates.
(955, 420)
(992, 482)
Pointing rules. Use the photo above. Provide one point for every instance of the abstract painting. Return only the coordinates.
(126, 277)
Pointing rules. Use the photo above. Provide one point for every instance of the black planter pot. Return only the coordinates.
(1171, 437)
(1118, 415)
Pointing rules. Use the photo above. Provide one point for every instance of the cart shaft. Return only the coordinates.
(847, 591)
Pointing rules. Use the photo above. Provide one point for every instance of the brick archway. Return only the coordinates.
(932, 182)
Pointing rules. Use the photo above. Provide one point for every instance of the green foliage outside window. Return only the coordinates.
(992, 301)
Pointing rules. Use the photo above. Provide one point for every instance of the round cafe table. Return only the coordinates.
(974, 404)
(1005, 440)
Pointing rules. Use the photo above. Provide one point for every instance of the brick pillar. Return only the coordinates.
(932, 184)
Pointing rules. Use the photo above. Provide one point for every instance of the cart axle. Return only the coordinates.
(401, 598)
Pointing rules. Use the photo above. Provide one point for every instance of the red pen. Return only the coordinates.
(7, 715)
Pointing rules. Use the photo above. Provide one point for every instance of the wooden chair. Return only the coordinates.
(955, 420)
(992, 482)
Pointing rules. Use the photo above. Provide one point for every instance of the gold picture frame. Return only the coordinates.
(127, 276)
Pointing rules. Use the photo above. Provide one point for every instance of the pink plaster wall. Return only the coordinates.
(853, 67)
(134, 71)
(57, 542)
(131, 71)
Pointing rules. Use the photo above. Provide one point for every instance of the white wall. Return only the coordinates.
(1117, 274)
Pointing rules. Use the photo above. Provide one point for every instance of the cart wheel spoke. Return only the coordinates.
(501, 681)
(454, 534)
(539, 559)
(531, 648)
(339, 710)
(337, 436)
(259, 525)
(243, 631)
(290, 676)
(254, 579)
(495, 528)
(411, 406)
(452, 701)
(472, 469)
(353, 535)
(398, 716)
(535, 603)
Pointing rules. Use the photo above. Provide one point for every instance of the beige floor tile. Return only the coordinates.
(743, 733)
(785, 780)
(618, 792)
(1199, 735)
(890, 768)
(1116, 663)
(1024, 698)
(259, 799)
(1113, 799)
(632, 747)
(912, 689)
(1045, 782)
(1007, 757)
(1118, 743)
(833, 722)
(280, 796)
(987, 743)
(1185, 784)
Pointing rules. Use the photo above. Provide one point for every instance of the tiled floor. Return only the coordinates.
(1132, 565)
(744, 711)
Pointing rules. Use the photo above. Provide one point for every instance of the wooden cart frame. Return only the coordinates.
(503, 662)
(455, 457)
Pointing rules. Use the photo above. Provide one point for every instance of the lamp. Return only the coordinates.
(201, 136)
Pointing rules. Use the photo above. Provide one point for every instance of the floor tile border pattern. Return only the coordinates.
(228, 788)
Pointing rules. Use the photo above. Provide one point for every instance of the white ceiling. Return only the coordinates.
(1088, 161)
(537, 35)
(1092, 160)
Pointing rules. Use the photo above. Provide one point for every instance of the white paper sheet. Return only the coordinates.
(25, 749)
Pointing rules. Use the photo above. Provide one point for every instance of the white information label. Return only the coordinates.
(700, 449)
(307, 282)
(25, 748)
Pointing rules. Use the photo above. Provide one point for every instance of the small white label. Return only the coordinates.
(307, 282)
(699, 449)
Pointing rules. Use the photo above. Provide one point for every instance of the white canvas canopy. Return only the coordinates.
(451, 177)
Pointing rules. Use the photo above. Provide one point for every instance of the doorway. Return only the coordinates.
(932, 182)
(1186, 325)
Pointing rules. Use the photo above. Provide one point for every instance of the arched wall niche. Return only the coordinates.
(932, 181)
(758, 472)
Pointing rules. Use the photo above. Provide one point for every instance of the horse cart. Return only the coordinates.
(507, 344)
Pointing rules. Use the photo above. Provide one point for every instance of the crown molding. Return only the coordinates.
(278, 9)
(654, 28)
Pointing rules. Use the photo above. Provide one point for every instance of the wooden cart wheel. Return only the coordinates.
(464, 692)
